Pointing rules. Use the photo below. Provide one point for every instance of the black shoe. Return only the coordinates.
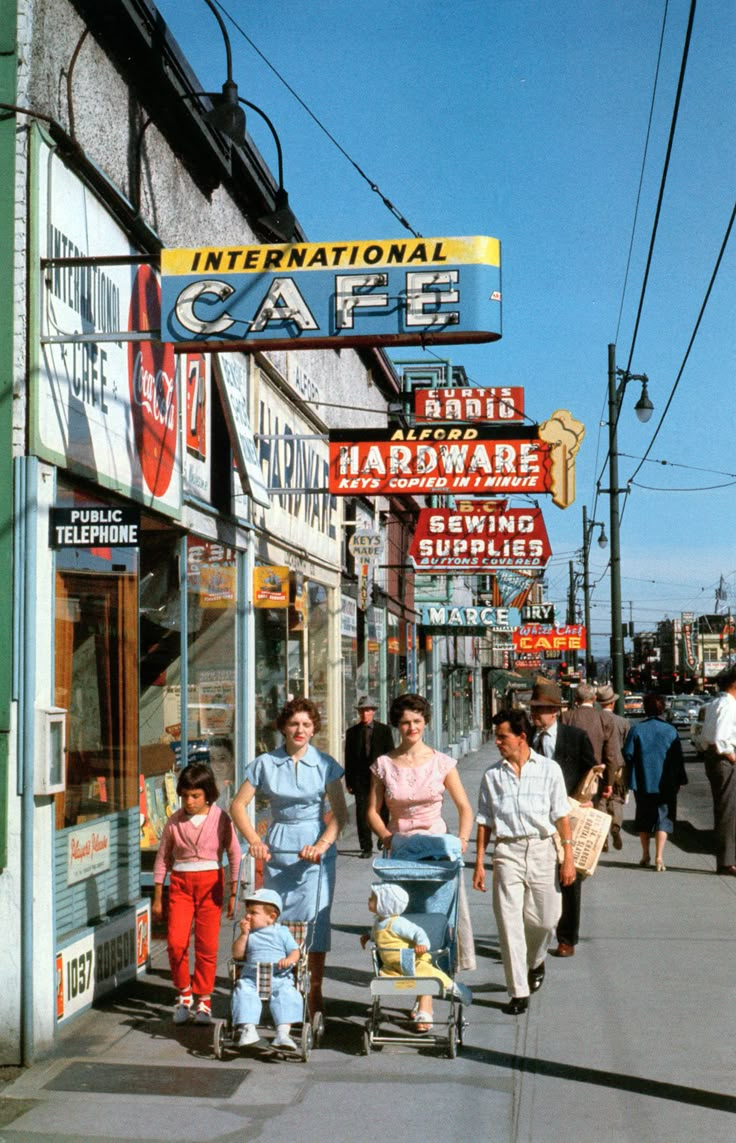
(536, 977)
(366, 853)
(516, 1005)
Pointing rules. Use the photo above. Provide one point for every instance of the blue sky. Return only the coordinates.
(527, 120)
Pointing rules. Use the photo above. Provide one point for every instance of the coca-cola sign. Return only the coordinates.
(153, 397)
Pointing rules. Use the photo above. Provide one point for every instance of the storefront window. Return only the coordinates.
(318, 620)
(349, 646)
(270, 639)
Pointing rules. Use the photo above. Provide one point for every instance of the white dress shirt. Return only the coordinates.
(523, 806)
(719, 724)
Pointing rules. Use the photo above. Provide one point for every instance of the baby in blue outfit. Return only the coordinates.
(263, 939)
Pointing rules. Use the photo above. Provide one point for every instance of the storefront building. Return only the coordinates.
(153, 497)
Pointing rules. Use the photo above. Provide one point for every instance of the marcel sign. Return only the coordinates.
(439, 458)
(479, 536)
(535, 638)
(319, 295)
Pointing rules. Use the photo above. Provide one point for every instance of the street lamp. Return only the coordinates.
(643, 409)
(588, 526)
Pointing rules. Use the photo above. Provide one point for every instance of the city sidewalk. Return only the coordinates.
(631, 1038)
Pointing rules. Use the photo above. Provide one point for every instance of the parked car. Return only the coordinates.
(683, 711)
(634, 706)
(696, 727)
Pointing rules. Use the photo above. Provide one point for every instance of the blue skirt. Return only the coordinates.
(653, 815)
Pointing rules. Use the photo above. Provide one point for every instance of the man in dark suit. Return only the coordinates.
(364, 742)
(572, 750)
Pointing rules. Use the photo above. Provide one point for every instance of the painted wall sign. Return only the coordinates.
(195, 383)
(94, 527)
(535, 638)
(270, 586)
(438, 458)
(88, 852)
(492, 404)
(318, 295)
(106, 410)
(478, 536)
(102, 960)
(443, 615)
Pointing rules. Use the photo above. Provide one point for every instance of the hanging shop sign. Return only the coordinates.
(270, 586)
(538, 613)
(444, 616)
(323, 295)
(511, 587)
(438, 458)
(534, 638)
(365, 547)
(231, 373)
(105, 409)
(479, 536)
(492, 404)
(95, 526)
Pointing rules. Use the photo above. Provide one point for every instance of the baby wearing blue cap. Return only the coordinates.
(263, 940)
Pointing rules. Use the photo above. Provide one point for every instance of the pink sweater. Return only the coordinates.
(181, 842)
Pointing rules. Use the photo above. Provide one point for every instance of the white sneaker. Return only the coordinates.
(247, 1035)
(182, 1009)
(203, 1015)
(282, 1040)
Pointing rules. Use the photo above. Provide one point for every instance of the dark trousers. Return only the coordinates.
(722, 777)
(365, 835)
(568, 926)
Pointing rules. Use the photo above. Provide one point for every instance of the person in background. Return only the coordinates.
(522, 801)
(613, 805)
(657, 770)
(571, 749)
(365, 742)
(192, 846)
(298, 781)
(718, 742)
(586, 716)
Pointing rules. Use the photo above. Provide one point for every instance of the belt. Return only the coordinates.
(524, 837)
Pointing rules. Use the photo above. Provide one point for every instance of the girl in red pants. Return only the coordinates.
(191, 850)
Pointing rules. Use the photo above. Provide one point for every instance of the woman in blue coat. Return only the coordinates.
(298, 781)
(653, 753)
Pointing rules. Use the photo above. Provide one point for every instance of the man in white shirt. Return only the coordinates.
(522, 801)
(718, 740)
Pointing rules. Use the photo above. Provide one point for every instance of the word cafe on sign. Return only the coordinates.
(534, 637)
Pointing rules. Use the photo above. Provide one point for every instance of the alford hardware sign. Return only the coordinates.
(319, 295)
(439, 458)
(479, 536)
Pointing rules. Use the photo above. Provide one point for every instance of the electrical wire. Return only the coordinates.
(374, 186)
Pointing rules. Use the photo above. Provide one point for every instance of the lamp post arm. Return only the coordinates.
(228, 51)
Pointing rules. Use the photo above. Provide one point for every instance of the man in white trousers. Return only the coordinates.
(522, 801)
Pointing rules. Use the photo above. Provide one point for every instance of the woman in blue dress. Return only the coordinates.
(298, 781)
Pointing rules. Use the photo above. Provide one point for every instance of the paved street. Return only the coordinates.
(629, 1040)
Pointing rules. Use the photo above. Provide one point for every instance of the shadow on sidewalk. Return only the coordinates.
(635, 1085)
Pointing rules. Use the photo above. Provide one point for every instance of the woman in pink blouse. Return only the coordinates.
(412, 781)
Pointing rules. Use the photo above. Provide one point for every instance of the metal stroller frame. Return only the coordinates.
(312, 1027)
(433, 888)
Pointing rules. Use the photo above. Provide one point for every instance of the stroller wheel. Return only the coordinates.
(318, 1028)
(452, 1039)
(367, 1039)
(307, 1041)
(219, 1029)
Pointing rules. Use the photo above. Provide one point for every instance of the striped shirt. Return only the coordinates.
(527, 806)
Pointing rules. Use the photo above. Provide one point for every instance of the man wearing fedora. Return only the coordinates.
(364, 742)
(613, 803)
(571, 749)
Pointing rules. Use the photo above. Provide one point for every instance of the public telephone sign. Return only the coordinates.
(324, 295)
(479, 536)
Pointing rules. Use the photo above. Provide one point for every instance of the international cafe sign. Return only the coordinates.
(326, 295)
(478, 537)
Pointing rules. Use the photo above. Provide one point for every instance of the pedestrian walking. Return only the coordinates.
(718, 741)
(365, 742)
(192, 845)
(613, 803)
(657, 771)
(522, 801)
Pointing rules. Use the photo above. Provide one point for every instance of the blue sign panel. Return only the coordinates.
(324, 295)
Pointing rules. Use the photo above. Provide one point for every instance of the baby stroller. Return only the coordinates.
(433, 888)
(308, 1033)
